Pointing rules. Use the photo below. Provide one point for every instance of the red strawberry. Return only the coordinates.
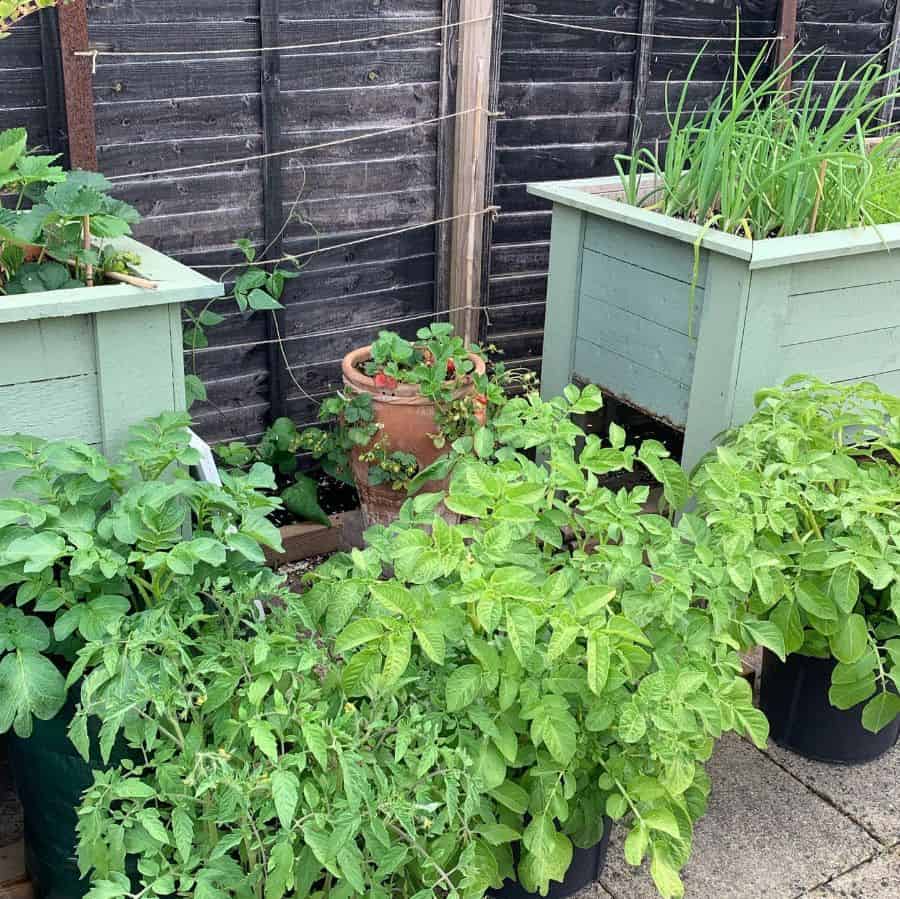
(385, 382)
(481, 398)
(451, 368)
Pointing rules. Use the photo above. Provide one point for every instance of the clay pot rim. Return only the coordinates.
(356, 379)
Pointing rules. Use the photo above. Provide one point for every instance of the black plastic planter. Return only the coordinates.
(794, 697)
(586, 867)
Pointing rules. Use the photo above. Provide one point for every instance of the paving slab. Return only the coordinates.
(877, 879)
(765, 835)
(869, 794)
(592, 892)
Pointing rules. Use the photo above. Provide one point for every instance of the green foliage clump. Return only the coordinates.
(586, 647)
(804, 500)
(446, 708)
(84, 543)
(278, 449)
(764, 162)
(53, 213)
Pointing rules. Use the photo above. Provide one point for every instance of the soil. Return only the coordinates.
(296, 570)
(334, 496)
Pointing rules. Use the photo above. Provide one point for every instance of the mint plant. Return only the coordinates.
(85, 542)
(804, 501)
(589, 649)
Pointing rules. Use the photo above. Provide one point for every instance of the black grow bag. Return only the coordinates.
(50, 777)
(794, 697)
(586, 867)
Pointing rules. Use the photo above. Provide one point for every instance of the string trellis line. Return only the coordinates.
(304, 149)
(332, 332)
(95, 53)
(292, 257)
(663, 37)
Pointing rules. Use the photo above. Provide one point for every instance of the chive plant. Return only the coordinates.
(762, 161)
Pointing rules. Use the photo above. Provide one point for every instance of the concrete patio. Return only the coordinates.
(781, 827)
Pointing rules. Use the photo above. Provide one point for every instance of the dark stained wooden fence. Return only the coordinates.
(570, 99)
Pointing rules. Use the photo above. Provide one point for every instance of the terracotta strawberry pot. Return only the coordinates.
(406, 419)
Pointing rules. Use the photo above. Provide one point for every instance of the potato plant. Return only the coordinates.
(588, 646)
(804, 502)
(86, 542)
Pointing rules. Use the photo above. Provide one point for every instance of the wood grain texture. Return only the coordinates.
(563, 289)
(54, 409)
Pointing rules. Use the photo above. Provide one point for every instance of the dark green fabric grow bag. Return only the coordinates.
(50, 777)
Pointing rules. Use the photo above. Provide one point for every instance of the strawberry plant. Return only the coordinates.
(13, 11)
(86, 542)
(47, 235)
(804, 501)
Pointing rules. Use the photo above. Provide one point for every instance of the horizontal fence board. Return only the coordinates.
(638, 339)
(644, 249)
(55, 409)
(843, 358)
(829, 313)
(650, 295)
(631, 382)
(50, 348)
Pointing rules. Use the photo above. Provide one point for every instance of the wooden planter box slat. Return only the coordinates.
(89, 363)
(619, 311)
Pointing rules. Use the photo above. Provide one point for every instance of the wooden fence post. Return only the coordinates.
(273, 193)
(470, 165)
(646, 20)
(78, 81)
(893, 61)
(787, 29)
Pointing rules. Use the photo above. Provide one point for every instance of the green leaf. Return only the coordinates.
(850, 643)
(151, 822)
(264, 739)
(498, 834)
(880, 711)
(665, 876)
(260, 300)
(12, 145)
(511, 796)
(30, 685)
(484, 442)
(632, 724)
(755, 725)
(183, 831)
(521, 627)
(397, 656)
(843, 588)
(463, 686)
(636, 844)
(101, 616)
(37, 551)
(598, 660)
(768, 634)
(663, 820)
(813, 600)
(316, 742)
(286, 794)
(357, 633)
(430, 634)
(301, 499)
(21, 631)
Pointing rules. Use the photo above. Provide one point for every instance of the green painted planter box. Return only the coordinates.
(89, 363)
(619, 309)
